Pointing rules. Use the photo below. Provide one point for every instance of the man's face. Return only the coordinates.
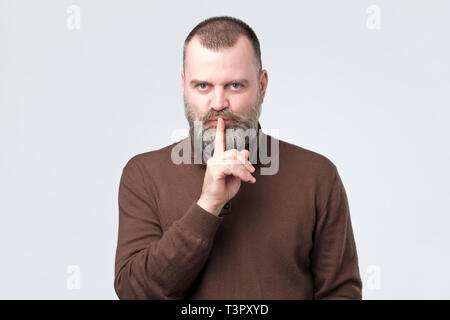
(222, 83)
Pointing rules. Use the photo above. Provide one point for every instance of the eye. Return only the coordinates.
(236, 85)
(202, 86)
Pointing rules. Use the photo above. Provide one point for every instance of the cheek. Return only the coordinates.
(197, 103)
(243, 102)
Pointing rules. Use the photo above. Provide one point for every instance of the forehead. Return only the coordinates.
(206, 64)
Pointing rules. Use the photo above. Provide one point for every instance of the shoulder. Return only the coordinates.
(145, 170)
(311, 169)
(150, 161)
(310, 161)
(154, 157)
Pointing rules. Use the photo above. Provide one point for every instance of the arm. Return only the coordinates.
(151, 264)
(334, 257)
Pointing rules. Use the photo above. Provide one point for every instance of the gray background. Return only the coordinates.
(76, 105)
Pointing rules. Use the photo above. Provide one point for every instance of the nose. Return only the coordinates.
(219, 101)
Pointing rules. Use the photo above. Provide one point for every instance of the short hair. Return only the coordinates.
(221, 32)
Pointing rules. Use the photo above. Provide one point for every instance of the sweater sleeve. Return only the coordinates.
(334, 258)
(150, 263)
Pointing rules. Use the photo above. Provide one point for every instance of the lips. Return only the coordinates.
(213, 122)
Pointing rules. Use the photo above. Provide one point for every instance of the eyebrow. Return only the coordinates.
(195, 82)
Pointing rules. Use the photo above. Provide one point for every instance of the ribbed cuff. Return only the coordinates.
(200, 222)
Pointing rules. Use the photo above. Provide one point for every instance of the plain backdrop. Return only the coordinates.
(368, 88)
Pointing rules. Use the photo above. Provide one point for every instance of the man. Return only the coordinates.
(219, 228)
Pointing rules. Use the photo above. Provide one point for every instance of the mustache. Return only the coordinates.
(223, 113)
(245, 121)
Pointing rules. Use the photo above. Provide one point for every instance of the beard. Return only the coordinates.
(240, 132)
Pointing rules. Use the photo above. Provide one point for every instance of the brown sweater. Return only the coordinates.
(287, 236)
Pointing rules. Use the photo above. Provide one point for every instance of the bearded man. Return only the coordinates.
(213, 216)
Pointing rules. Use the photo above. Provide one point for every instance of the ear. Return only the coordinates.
(182, 80)
(263, 80)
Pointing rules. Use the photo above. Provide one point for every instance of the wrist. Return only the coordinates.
(211, 208)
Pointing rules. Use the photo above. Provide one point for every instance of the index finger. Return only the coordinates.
(219, 145)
